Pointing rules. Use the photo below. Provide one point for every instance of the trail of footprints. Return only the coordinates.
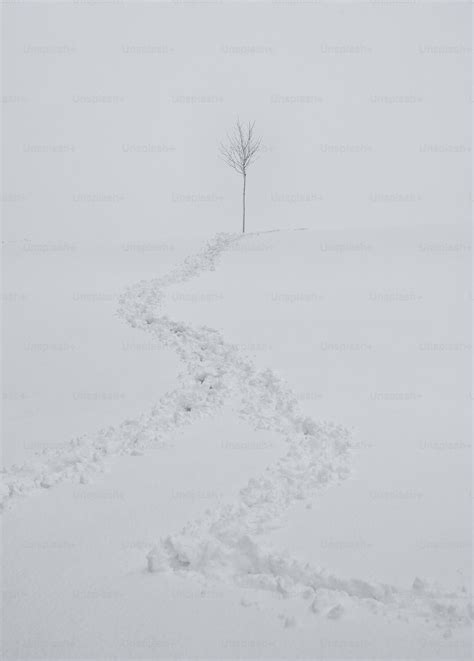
(228, 543)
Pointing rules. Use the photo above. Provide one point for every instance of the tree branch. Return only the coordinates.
(242, 148)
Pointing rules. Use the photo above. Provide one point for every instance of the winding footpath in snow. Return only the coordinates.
(227, 544)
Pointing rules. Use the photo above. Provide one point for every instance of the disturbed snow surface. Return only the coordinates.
(228, 544)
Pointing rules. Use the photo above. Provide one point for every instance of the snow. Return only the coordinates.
(273, 488)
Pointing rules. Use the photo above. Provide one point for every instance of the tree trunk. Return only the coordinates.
(243, 205)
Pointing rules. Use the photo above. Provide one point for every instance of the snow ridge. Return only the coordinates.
(226, 544)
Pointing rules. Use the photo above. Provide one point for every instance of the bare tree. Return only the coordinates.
(240, 152)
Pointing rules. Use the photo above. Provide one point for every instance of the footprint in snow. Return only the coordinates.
(335, 613)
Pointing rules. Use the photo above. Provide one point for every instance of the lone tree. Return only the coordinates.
(240, 152)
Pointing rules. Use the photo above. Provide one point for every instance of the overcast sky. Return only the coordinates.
(113, 113)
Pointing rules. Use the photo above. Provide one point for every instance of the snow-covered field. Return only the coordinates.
(272, 454)
(219, 446)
